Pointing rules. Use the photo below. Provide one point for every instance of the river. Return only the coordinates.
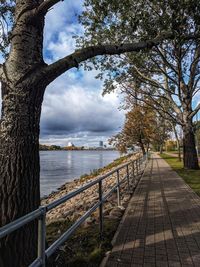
(59, 167)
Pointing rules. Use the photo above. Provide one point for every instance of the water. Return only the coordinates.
(59, 167)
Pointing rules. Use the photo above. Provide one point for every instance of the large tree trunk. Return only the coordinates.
(190, 158)
(19, 171)
(22, 95)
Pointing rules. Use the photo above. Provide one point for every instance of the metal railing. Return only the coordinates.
(133, 168)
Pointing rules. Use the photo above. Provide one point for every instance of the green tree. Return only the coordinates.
(169, 71)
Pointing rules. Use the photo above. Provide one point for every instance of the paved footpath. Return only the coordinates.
(161, 226)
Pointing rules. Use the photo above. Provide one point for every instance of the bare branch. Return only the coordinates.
(193, 68)
(169, 96)
(164, 71)
(195, 84)
(166, 61)
(158, 107)
(46, 5)
(194, 112)
(151, 81)
(1, 71)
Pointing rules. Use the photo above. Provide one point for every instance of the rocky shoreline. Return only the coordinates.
(78, 205)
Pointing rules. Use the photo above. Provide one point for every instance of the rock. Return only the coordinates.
(106, 211)
(112, 217)
(116, 212)
(88, 222)
(111, 198)
(121, 208)
(67, 213)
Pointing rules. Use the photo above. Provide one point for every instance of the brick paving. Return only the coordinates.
(161, 226)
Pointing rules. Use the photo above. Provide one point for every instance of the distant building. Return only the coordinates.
(100, 143)
(70, 144)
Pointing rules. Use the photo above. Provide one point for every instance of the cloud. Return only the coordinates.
(61, 25)
(77, 109)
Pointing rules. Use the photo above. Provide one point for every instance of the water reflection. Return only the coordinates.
(58, 167)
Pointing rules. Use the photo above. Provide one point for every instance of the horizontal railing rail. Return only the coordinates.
(40, 213)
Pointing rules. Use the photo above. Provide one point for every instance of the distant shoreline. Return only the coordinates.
(73, 148)
(91, 149)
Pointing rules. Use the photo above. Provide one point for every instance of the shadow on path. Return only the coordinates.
(161, 226)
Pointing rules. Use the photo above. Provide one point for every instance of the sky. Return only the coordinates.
(74, 109)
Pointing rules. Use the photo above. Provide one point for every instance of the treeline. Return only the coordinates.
(54, 147)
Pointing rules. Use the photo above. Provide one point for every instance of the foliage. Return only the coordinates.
(141, 128)
(169, 73)
(6, 21)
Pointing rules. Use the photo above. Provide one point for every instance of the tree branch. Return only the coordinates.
(193, 68)
(59, 67)
(154, 104)
(195, 85)
(149, 80)
(1, 71)
(194, 112)
(163, 71)
(46, 5)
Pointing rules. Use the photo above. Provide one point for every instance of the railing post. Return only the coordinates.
(118, 190)
(100, 211)
(133, 172)
(140, 163)
(128, 182)
(137, 167)
(42, 236)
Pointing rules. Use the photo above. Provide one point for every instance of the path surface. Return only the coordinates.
(161, 226)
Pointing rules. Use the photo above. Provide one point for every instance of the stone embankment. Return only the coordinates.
(78, 205)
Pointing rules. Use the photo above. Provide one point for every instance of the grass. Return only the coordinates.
(84, 248)
(191, 177)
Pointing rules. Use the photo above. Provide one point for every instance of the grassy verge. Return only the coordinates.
(84, 248)
(191, 177)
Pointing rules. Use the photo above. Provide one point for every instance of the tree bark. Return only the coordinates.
(190, 158)
(178, 141)
(22, 96)
(142, 148)
(19, 171)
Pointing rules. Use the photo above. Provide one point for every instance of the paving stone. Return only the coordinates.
(161, 226)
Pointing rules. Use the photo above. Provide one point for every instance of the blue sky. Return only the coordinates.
(74, 109)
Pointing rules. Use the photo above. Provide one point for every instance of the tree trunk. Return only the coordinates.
(22, 94)
(179, 150)
(19, 171)
(178, 141)
(190, 158)
(142, 148)
(161, 148)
